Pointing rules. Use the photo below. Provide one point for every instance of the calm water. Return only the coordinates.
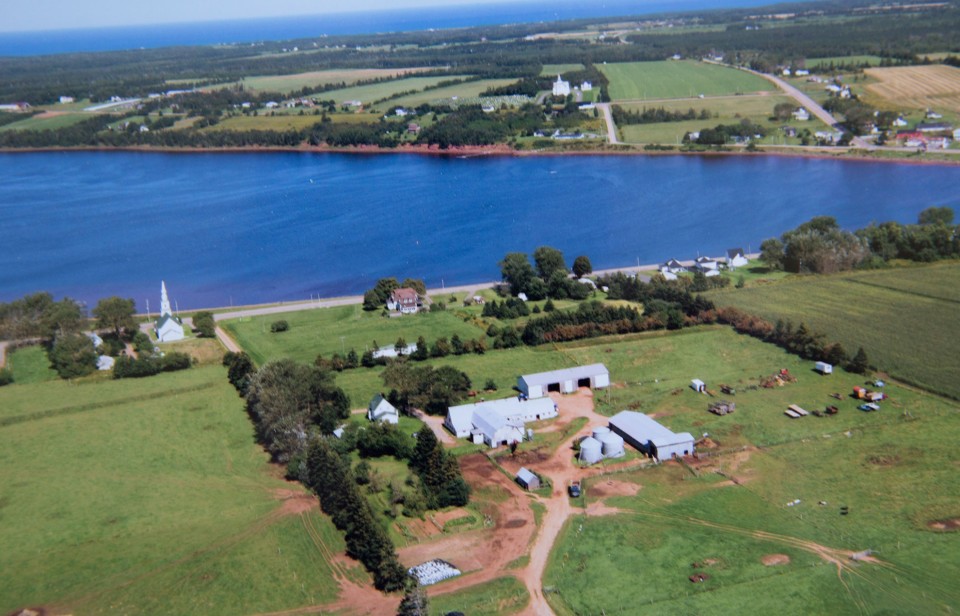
(247, 228)
(286, 28)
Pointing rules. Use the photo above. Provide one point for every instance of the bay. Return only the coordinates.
(242, 228)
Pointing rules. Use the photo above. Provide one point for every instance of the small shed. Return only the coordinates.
(698, 386)
(527, 480)
(823, 367)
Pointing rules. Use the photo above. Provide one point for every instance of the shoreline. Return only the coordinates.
(503, 150)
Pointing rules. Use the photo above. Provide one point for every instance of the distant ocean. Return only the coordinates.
(286, 28)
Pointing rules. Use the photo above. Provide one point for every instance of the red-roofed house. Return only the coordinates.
(404, 300)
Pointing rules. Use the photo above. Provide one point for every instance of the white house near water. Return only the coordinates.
(650, 437)
(566, 381)
(497, 422)
(168, 327)
(381, 410)
(736, 258)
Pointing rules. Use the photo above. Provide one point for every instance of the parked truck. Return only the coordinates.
(574, 489)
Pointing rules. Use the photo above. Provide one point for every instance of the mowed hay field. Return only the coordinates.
(905, 319)
(376, 91)
(298, 81)
(920, 87)
(150, 496)
(678, 79)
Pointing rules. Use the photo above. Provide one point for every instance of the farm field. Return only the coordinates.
(678, 79)
(291, 83)
(728, 110)
(150, 496)
(30, 365)
(899, 316)
(552, 70)
(502, 596)
(919, 87)
(49, 120)
(469, 90)
(377, 91)
(280, 122)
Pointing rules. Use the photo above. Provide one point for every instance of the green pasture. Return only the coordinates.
(30, 365)
(902, 318)
(53, 122)
(377, 91)
(678, 79)
(314, 79)
(499, 597)
(552, 70)
(148, 496)
(847, 60)
(470, 89)
(264, 121)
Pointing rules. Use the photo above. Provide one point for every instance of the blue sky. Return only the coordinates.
(31, 15)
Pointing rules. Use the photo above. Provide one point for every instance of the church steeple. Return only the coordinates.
(164, 301)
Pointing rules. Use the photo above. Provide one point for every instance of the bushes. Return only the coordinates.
(73, 356)
(6, 376)
(279, 326)
(129, 368)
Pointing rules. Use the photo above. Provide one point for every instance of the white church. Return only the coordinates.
(169, 327)
(561, 87)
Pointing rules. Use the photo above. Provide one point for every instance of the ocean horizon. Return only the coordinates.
(240, 31)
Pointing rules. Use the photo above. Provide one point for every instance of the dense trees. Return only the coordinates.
(439, 471)
(430, 389)
(72, 355)
(654, 115)
(582, 266)
(239, 369)
(817, 246)
(204, 324)
(377, 297)
(115, 313)
(148, 365)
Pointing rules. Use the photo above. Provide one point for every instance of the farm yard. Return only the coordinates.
(678, 79)
(918, 87)
(899, 316)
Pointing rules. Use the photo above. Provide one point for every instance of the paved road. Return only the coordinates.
(611, 127)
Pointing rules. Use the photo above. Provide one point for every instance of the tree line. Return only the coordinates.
(654, 115)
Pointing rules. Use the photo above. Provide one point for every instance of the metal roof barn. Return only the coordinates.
(651, 437)
(567, 380)
(527, 480)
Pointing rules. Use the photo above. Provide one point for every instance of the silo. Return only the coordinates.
(612, 445)
(591, 451)
(600, 432)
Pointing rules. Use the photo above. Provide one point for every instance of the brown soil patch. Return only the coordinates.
(945, 526)
(772, 560)
(707, 443)
(295, 501)
(515, 523)
(605, 489)
(883, 459)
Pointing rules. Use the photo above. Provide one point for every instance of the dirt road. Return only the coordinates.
(611, 127)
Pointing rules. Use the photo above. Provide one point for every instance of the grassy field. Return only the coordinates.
(30, 365)
(313, 79)
(278, 122)
(848, 60)
(890, 468)
(48, 121)
(502, 596)
(470, 89)
(729, 110)
(678, 79)
(552, 70)
(377, 91)
(899, 316)
(148, 496)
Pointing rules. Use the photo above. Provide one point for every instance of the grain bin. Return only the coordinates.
(591, 451)
(600, 432)
(612, 445)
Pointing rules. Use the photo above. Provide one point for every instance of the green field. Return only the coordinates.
(30, 365)
(373, 92)
(296, 82)
(552, 70)
(471, 89)
(48, 122)
(903, 318)
(678, 79)
(149, 496)
(848, 60)
(280, 122)
(502, 596)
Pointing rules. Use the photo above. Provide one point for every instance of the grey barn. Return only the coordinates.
(650, 437)
(565, 381)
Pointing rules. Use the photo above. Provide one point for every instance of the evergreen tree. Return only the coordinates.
(859, 364)
(414, 603)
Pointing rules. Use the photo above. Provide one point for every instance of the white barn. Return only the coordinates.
(650, 437)
(381, 410)
(567, 380)
(497, 422)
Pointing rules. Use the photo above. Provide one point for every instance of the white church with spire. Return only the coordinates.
(169, 327)
(561, 87)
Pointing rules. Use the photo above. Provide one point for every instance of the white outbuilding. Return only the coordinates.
(381, 410)
(567, 381)
(650, 437)
(823, 367)
(497, 422)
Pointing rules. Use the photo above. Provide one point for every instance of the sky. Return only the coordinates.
(34, 15)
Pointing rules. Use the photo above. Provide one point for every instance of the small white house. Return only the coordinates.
(381, 410)
(673, 266)
(801, 115)
(900, 122)
(823, 367)
(706, 264)
(566, 381)
(64, 100)
(105, 362)
(736, 258)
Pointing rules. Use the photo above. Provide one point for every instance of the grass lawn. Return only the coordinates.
(377, 91)
(148, 496)
(899, 316)
(30, 365)
(678, 79)
(313, 79)
(502, 596)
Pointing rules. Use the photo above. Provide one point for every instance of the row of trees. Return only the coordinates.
(725, 133)
(431, 389)
(549, 279)
(654, 115)
(821, 246)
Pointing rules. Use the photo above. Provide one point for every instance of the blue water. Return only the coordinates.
(249, 228)
(286, 28)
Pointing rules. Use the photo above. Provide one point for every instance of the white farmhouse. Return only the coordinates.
(736, 258)
(381, 410)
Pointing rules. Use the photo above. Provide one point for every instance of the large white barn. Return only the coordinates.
(566, 381)
(497, 422)
(651, 437)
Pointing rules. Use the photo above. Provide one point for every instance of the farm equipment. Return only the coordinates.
(722, 407)
(832, 410)
(728, 390)
(778, 380)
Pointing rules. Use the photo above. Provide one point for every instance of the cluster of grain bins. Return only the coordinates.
(603, 443)
(433, 571)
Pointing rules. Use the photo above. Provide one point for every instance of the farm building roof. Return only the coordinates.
(642, 428)
(526, 476)
(566, 374)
